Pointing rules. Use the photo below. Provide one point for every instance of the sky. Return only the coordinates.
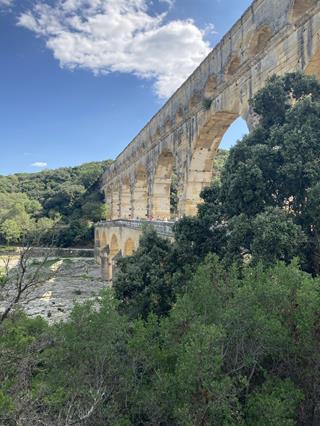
(80, 78)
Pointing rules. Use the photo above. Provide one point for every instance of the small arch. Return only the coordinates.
(129, 247)
(114, 246)
(140, 194)
(195, 100)
(210, 87)
(260, 40)
(161, 189)
(126, 200)
(299, 8)
(232, 67)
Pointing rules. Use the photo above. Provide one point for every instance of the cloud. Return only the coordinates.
(107, 36)
(6, 2)
(39, 164)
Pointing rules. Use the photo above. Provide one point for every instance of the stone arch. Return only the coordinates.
(126, 200)
(162, 185)
(129, 247)
(200, 170)
(299, 8)
(260, 39)
(210, 87)
(140, 194)
(194, 101)
(114, 246)
(103, 239)
(232, 67)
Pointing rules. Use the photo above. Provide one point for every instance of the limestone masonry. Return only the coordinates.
(272, 37)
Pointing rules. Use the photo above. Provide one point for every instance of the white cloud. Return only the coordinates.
(6, 2)
(119, 36)
(39, 164)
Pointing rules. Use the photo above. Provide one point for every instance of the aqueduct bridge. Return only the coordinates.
(272, 37)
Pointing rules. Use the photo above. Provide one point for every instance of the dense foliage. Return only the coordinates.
(65, 200)
(220, 327)
(232, 351)
(266, 206)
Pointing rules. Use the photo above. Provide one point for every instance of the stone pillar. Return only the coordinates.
(106, 264)
(252, 119)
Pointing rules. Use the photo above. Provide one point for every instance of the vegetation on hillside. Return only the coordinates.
(220, 327)
(65, 201)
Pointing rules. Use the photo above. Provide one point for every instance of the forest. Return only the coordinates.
(60, 204)
(220, 327)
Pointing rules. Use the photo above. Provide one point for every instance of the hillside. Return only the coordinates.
(64, 203)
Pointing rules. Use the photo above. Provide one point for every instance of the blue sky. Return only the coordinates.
(80, 78)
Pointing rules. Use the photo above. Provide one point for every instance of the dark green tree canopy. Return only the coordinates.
(276, 166)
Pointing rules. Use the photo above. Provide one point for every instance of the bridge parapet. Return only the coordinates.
(163, 228)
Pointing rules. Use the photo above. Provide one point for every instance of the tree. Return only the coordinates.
(11, 230)
(20, 275)
(276, 166)
(140, 282)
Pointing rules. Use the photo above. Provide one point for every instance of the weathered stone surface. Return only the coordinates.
(77, 281)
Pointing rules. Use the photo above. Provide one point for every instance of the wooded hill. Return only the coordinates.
(65, 201)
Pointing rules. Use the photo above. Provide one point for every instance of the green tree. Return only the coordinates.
(70, 194)
(140, 282)
(276, 166)
(11, 231)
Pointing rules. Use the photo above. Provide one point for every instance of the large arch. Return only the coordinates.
(160, 199)
(140, 194)
(129, 247)
(126, 200)
(299, 8)
(200, 171)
